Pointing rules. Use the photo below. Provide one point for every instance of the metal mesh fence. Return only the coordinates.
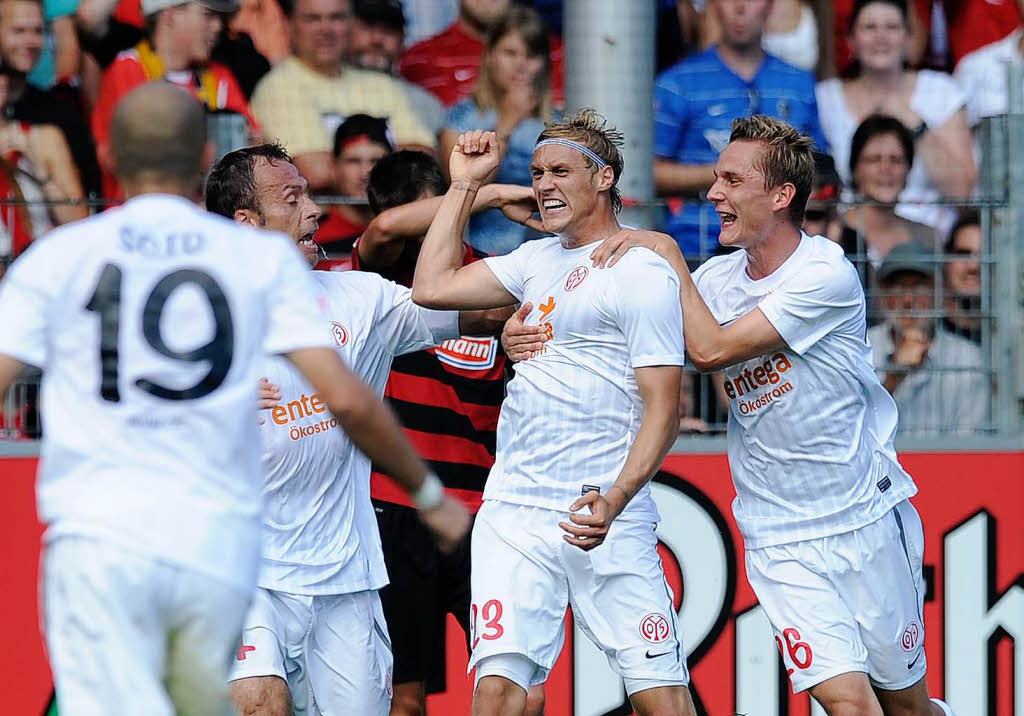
(952, 389)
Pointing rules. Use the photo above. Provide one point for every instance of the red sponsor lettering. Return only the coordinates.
(468, 352)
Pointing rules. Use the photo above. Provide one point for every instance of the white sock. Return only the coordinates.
(944, 706)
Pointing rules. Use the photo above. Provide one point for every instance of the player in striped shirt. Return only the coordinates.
(833, 546)
(584, 425)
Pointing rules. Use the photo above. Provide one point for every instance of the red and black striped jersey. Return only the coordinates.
(448, 399)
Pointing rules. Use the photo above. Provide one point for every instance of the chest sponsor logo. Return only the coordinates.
(467, 352)
(305, 406)
(577, 276)
(339, 333)
(766, 380)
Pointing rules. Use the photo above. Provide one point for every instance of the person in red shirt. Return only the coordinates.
(177, 49)
(447, 64)
(359, 143)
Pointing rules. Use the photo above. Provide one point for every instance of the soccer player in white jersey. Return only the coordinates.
(833, 547)
(315, 630)
(151, 322)
(568, 515)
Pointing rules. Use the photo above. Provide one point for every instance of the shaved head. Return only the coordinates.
(158, 131)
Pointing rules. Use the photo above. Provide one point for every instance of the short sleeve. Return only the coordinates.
(936, 97)
(406, 327)
(669, 117)
(295, 317)
(816, 301)
(508, 269)
(647, 309)
(25, 299)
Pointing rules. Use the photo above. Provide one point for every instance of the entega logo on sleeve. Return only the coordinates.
(468, 352)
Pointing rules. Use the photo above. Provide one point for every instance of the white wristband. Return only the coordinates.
(430, 494)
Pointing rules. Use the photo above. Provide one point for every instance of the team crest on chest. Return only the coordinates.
(577, 276)
(339, 333)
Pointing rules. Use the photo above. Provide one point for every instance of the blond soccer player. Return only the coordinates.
(833, 546)
(568, 515)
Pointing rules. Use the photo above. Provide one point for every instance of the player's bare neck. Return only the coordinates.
(766, 256)
(147, 184)
(590, 231)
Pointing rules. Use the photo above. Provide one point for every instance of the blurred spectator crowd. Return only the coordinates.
(892, 91)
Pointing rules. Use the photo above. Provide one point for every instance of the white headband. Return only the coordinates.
(578, 147)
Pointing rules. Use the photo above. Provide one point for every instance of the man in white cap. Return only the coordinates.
(180, 36)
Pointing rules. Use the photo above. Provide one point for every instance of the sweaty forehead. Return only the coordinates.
(277, 176)
(551, 155)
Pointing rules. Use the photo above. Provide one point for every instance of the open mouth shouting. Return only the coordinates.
(308, 246)
(726, 218)
(552, 206)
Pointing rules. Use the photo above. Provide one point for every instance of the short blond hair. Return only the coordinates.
(788, 157)
(590, 129)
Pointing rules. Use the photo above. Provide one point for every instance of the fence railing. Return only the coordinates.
(971, 381)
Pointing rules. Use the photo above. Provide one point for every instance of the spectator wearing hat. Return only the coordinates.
(936, 377)
(360, 142)
(447, 64)
(180, 36)
(376, 40)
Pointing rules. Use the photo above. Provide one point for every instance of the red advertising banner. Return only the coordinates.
(972, 506)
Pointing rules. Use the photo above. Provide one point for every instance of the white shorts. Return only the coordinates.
(128, 634)
(333, 651)
(524, 575)
(848, 602)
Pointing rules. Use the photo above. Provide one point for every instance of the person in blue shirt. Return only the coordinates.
(695, 103)
(513, 98)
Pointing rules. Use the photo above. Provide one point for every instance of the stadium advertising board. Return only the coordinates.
(972, 505)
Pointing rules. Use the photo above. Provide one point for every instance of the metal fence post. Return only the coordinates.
(1006, 240)
(609, 65)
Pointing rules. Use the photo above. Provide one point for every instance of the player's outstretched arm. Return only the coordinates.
(441, 281)
(710, 346)
(659, 387)
(374, 430)
(9, 370)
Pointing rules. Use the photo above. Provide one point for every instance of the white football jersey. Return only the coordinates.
(320, 535)
(810, 426)
(571, 413)
(151, 322)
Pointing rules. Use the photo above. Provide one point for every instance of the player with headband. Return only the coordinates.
(584, 426)
(833, 545)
